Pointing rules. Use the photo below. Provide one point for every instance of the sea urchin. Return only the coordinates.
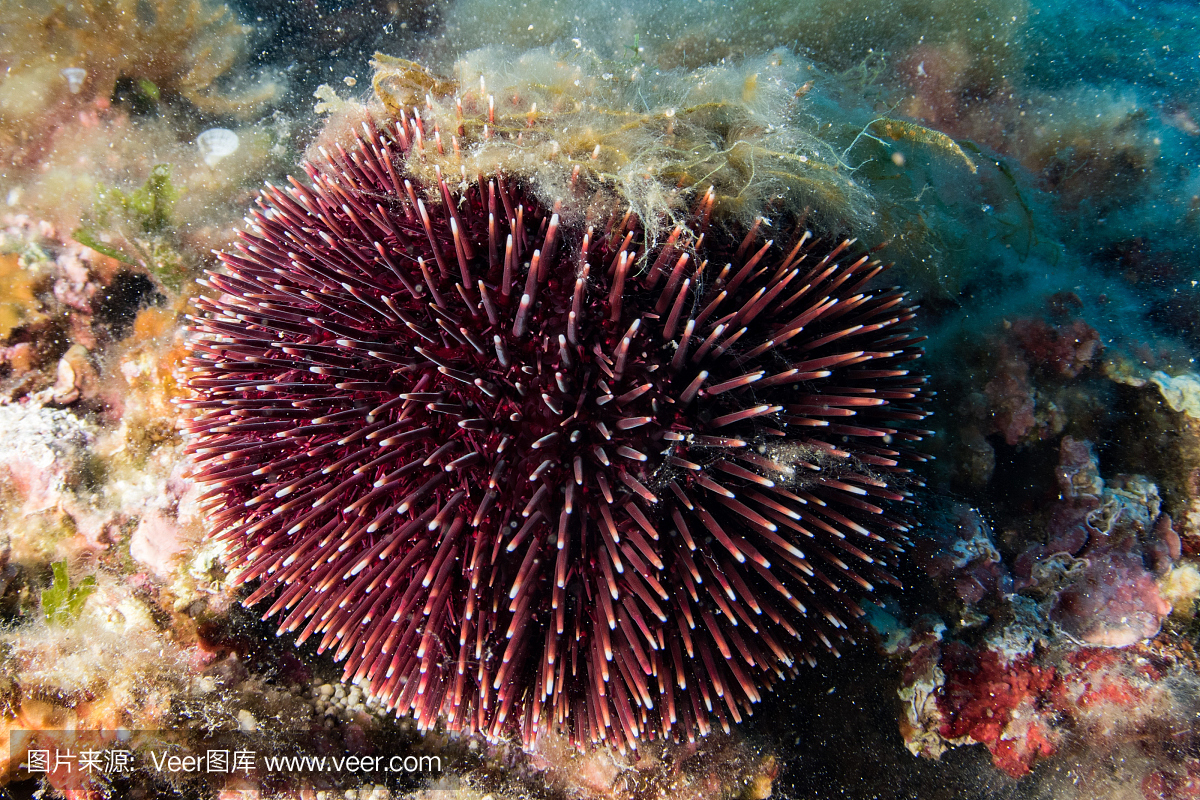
(521, 475)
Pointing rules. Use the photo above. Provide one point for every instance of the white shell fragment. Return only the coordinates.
(215, 144)
(75, 77)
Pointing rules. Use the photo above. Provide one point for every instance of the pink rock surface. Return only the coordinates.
(1113, 602)
(158, 542)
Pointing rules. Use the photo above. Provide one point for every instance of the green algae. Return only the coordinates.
(142, 221)
(577, 126)
(62, 602)
(773, 136)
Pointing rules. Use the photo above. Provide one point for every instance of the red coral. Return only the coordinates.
(1180, 784)
(1015, 756)
(1100, 683)
(1024, 711)
(996, 705)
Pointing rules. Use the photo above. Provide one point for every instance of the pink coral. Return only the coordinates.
(158, 543)
(1113, 602)
(1064, 350)
(1010, 398)
(166, 530)
(1093, 565)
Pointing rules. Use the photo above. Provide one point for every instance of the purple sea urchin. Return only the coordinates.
(520, 475)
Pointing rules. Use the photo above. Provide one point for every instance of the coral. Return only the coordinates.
(923, 679)
(425, 415)
(142, 379)
(1063, 351)
(1029, 704)
(1093, 567)
(74, 482)
(1112, 602)
(74, 683)
(1063, 647)
(996, 704)
(34, 259)
(1173, 784)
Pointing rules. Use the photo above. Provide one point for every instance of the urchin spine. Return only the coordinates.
(515, 478)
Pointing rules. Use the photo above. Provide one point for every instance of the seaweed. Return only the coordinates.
(164, 47)
(88, 239)
(149, 206)
(898, 129)
(399, 83)
(581, 127)
(1027, 226)
(62, 603)
(142, 221)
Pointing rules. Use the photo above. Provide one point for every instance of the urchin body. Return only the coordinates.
(521, 475)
